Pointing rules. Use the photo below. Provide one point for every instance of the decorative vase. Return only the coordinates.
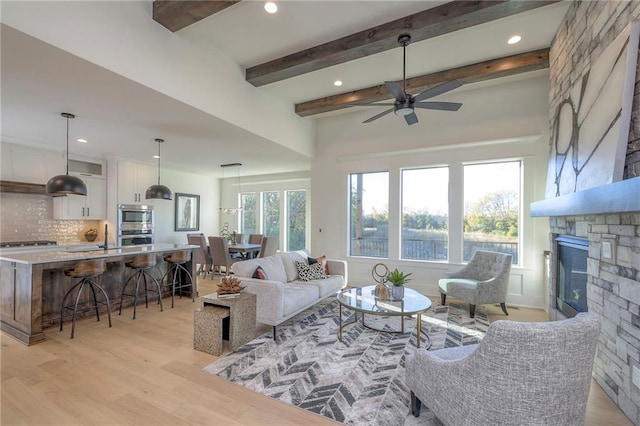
(381, 291)
(397, 292)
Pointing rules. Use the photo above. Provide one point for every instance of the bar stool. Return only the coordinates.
(86, 270)
(141, 263)
(176, 262)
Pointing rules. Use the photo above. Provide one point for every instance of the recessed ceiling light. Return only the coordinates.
(337, 83)
(514, 39)
(82, 140)
(271, 7)
(156, 156)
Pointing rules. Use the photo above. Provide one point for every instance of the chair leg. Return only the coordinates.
(472, 310)
(415, 405)
(443, 298)
(274, 333)
(504, 308)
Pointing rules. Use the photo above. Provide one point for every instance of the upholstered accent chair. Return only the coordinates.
(202, 255)
(535, 373)
(220, 255)
(485, 279)
(269, 246)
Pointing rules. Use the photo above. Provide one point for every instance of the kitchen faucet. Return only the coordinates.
(106, 241)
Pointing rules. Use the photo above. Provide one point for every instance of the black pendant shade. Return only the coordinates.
(159, 192)
(62, 185)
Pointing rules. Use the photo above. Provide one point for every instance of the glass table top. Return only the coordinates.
(362, 299)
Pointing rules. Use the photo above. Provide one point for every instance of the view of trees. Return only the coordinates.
(296, 214)
(496, 213)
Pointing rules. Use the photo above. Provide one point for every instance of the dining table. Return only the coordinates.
(246, 250)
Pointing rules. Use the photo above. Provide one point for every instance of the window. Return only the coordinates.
(271, 213)
(369, 214)
(491, 208)
(248, 223)
(425, 217)
(296, 219)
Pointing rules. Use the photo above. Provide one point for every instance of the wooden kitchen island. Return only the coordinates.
(32, 283)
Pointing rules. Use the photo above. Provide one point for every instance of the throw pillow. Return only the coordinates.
(310, 272)
(260, 274)
(322, 260)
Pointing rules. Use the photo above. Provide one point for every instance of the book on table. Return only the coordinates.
(228, 295)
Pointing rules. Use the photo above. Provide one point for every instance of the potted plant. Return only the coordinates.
(398, 279)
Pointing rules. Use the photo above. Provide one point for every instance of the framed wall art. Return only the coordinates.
(187, 216)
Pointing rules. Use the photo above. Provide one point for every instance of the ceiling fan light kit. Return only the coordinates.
(63, 185)
(158, 192)
(405, 103)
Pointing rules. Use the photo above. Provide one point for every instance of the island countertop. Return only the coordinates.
(63, 254)
(32, 282)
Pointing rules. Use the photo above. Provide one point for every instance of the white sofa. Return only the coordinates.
(282, 295)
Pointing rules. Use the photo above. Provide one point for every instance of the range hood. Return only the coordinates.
(22, 187)
(618, 197)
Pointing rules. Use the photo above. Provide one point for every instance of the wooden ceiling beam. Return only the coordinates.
(481, 71)
(178, 14)
(443, 19)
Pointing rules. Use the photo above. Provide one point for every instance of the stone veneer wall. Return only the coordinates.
(25, 217)
(613, 285)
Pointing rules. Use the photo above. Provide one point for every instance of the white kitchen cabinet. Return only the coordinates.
(93, 206)
(30, 165)
(133, 181)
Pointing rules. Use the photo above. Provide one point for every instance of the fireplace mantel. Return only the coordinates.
(618, 197)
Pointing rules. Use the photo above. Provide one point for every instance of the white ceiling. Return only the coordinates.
(121, 117)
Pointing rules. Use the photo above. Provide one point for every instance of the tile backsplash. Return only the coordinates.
(25, 217)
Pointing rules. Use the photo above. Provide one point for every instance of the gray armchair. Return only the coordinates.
(520, 374)
(485, 279)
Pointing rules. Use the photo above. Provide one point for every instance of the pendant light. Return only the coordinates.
(63, 185)
(232, 210)
(158, 191)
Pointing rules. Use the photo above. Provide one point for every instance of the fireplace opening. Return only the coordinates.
(571, 283)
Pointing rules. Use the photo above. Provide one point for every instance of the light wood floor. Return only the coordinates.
(146, 372)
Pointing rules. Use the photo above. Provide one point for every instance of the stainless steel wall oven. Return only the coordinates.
(136, 224)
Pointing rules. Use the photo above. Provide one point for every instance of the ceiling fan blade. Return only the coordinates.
(375, 117)
(381, 104)
(438, 90)
(411, 118)
(442, 106)
(396, 90)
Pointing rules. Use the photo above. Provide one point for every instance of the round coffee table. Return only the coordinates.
(363, 300)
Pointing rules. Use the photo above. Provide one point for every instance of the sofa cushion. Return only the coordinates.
(289, 260)
(322, 259)
(310, 272)
(298, 296)
(327, 286)
(272, 266)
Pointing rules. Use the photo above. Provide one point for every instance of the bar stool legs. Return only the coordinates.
(87, 271)
(141, 263)
(176, 268)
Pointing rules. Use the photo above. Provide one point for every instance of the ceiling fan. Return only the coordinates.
(405, 103)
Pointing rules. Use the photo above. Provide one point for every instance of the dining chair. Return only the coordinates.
(239, 238)
(269, 246)
(220, 255)
(255, 239)
(202, 256)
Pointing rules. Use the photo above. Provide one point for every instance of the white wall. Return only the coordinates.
(122, 37)
(502, 120)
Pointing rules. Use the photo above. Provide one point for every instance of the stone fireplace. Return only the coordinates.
(607, 217)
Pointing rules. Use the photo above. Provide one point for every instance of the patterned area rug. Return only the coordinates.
(359, 381)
